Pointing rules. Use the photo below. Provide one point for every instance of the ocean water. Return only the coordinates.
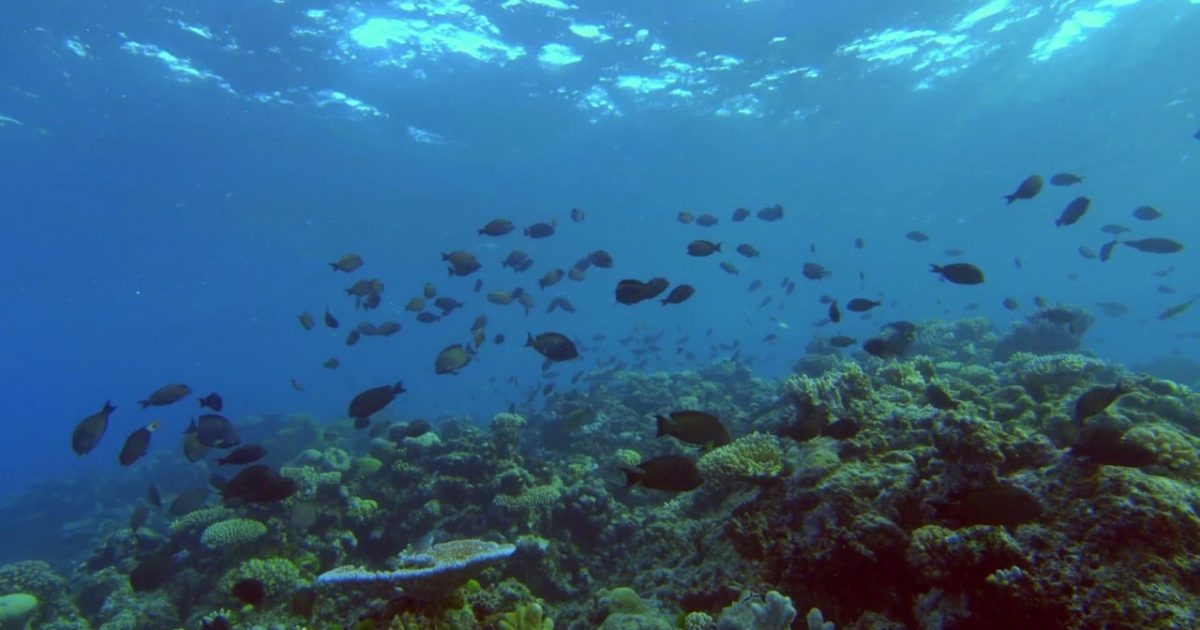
(175, 178)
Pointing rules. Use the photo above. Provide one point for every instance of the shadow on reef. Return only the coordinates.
(937, 489)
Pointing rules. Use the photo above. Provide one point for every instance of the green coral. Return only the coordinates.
(526, 617)
(361, 510)
(200, 518)
(233, 531)
(754, 456)
(531, 499)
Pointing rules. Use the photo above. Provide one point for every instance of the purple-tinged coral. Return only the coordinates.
(442, 559)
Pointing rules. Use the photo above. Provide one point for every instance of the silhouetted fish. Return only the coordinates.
(166, 395)
(959, 273)
(1028, 189)
(347, 263)
(212, 401)
(669, 473)
(1065, 179)
(371, 401)
(88, 431)
(1156, 245)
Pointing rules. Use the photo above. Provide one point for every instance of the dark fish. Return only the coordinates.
(249, 591)
(553, 346)
(1086, 252)
(1172, 311)
(257, 483)
(576, 274)
(429, 291)
(702, 248)
(1073, 212)
(388, 328)
(540, 230)
(655, 286)
(959, 273)
(551, 278)
(842, 341)
(497, 227)
(754, 285)
(363, 288)
(498, 339)
(670, 473)
(1156, 245)
(998, 505)
(331, 363)
(347, 263)
(917, 236)
(462, 263)
(416, 429)
(373, 400)
(88, 431)
(415, 305)
(835, 314)
(152, 572)
(1106, 250)
(215, 431)
(425, 317)
(842, 429)
(685, 217)
(193, 450)
(212, 401)
(630, 291)
(136, 444)
(1065, 179)
(814, 271)
(601, 259)
(694, 427)
(747, 250)
(243, 455)
(679, 294)
(859, 243)
(296, 385)
(1114, 229)
(330, 320)
(739, 215)
(188, 501)
(1028, 189)
(1056, 315)
(1096, 400)
(882, 348)
(861, 305)
(729, 268)
(306, 320)
(367, 329)
(939, 399)
(1146, 213)
(451, 359)
(352, 337)
(578, 215)
(166, 395)
(1102, 443)
(516, 259)
(1011, 303)
(706, 220)
(772, 213)
(153, 496)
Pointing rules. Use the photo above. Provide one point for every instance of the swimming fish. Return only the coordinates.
(706, 220)
(212, 401)
(462, 263)
(1073, 212)
(497, 227)
(306, 320)
(959, 273)
(540, 230)
(214, 430)
(739, 215)
(679, 294)
(693, 427)
(1156, 245)
(243, 455)
(166, 395)
(88, 431)
(772, 213)
(347, 263)
(1096, 400)
(371, 401)
(451, 359)
(136, 444)
(702, 248)
(861, 305)
(747, 250)
(669, 473)
(330, 320)
(1028, 189)
(553, 346)
(1065, 179)
(917, 236)
(1146, 213)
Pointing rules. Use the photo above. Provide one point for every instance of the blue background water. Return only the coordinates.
(158, 230)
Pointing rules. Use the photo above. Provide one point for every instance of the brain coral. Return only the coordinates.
(231, 532)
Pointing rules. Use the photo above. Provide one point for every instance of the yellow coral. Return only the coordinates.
(231, 532)
(200, 518)
(1176, 451)
(526, 617)
(532, 498)
(755, 456)
(279, 576)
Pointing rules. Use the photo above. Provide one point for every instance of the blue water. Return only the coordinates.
(175, 178)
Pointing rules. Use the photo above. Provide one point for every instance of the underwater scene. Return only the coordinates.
(553, 314)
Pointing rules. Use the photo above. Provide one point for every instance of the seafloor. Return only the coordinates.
(846, 498)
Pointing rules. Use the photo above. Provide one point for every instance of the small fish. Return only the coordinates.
(462, 263)
(551, 278)
(1146, 213)
(835, 314)
(578, 215)
(739, 215)
(296, 385)
(1106, 250)
(257, 483)
(685, 217)
(772, 213)
(1028, 189)
(754, 285)
(330, 320)
(706, 220)
(88, 431)
(1086, 252)
(212, 401)
(959, 273)
(1114, 229)
(331, 363)
(939, 399)
(447, 304)
(842, 341)
(859, 243)
(347, 263)
(953, 252)
(553, 346)
(415, 305)
(601, 259)
(540, 230)
(497, 227)
(729, 268)
(679, 294)
(306, 320)
(1156, 245)
(703, 248)
(1073, 212)
(560, 303)
(371, 401)
(451, 359)
(861, 305)
(669, 473)
(425, 317)
(1096, 400)
(352, 337)
(917, 236)
(136, 444)
(498, 339)
(1011, 304)
(998, 505)
(1113, 309)
(1065, 179)
(693, 427)
(429, 291)
(1172, 311)
(747, 250)
(166, 395)
(214, 431)
(814, 271)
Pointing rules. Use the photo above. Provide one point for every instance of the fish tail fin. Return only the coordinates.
(191, 427)
(1010, 198)
(935, 268)
(398, 388)
(528, 340)
(108, 407)
(663, 426)
(334, 266)
(144, 403)
(632, 477)
(450, 271)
